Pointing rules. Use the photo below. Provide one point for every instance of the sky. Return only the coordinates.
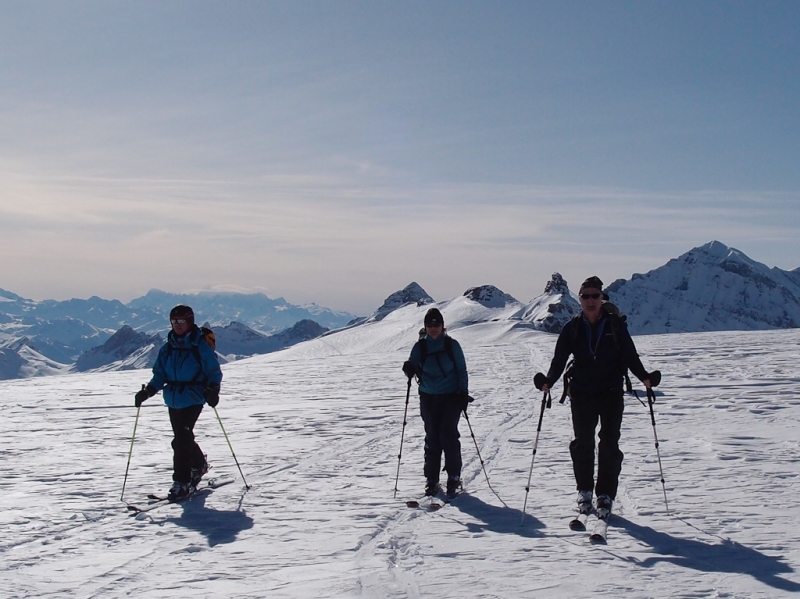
(333, 152)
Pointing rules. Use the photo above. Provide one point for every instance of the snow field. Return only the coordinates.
(317, 429)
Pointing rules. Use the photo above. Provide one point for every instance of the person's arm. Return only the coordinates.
(461, 367)
(560, 357)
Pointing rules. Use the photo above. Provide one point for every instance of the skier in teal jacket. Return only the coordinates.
(438, 362)
(187, 369)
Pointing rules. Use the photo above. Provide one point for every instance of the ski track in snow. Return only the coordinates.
(317, 431)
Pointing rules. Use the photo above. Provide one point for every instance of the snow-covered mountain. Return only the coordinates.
(256, 310)
(127, 349)
(237, 340)
(710, 288)
(489, 296)
(550, 311)
(20, 358)
(410, 295)
(61, 332)
(124, 350)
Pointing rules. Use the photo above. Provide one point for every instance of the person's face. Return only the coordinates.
(591, 300)
(181, 325)
(434, 329)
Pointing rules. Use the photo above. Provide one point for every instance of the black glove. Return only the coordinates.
(464, 399)
(655, 378)
(539, 380)
(143, 395)
(409, 369)
(212, 395)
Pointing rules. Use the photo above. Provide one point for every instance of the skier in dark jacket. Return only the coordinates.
(438, 361)
(603, 351)
(188, 371)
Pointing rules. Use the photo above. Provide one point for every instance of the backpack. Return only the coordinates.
(207, 335)
(616, 319)
(423, 346)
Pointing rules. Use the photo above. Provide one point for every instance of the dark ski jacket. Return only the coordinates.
(602, 355)
(440, 373)
(184, 367)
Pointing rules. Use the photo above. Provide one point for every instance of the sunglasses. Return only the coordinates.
(179, 320)
(590, 295)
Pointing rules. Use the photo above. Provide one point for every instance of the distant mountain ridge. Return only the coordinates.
(58, 333)
(710, 288)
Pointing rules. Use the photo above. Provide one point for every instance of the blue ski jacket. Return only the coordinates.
(185, 366)
(440, 373)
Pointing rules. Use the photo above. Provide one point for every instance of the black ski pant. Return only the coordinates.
(186, 452)
(607, 408)
(441, 414)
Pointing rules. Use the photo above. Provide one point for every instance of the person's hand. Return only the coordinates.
(464, 399)
(540, 382)
(409, 369)
(211, 395)
(143, 395)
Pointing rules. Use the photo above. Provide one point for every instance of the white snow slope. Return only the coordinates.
(316, 430)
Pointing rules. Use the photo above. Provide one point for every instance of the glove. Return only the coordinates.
(212, 395)
(409, 368)
(655, 378)
(464, 399)
(539, 380)
(143, 395)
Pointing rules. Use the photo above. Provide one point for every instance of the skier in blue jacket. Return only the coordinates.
(438, 362)
(188, 371)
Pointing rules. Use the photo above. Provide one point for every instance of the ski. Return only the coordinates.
(599, 531)
(578, 523)
(433, 503)
(155, 501)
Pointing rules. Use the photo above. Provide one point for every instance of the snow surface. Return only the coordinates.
(316, 429)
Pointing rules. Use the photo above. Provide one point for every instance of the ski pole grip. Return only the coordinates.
(655, 378)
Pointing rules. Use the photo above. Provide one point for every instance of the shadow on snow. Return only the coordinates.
(725, 557)
(217, 526)
(503, 520)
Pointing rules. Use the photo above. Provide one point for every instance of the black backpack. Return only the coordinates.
(207, 335)
(423, 346)
(616, 319)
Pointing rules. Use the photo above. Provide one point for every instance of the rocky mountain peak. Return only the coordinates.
(411, 294)
(489, 296)
(556, 284)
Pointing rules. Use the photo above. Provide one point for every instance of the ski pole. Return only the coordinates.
(246, 486)
(546, 403)
(481, 459)
(130, 452)
(651, 398)
(402, 436)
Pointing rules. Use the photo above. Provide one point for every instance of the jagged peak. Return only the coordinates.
(556, 284)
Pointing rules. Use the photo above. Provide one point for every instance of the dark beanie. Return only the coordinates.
(181, 311)
(592, 283)
(433, 316)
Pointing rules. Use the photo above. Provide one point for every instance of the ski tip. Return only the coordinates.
(577, 525)
(435, 506)
(597, 539)
(412, 503)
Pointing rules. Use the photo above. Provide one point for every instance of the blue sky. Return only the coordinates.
(336, 151)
